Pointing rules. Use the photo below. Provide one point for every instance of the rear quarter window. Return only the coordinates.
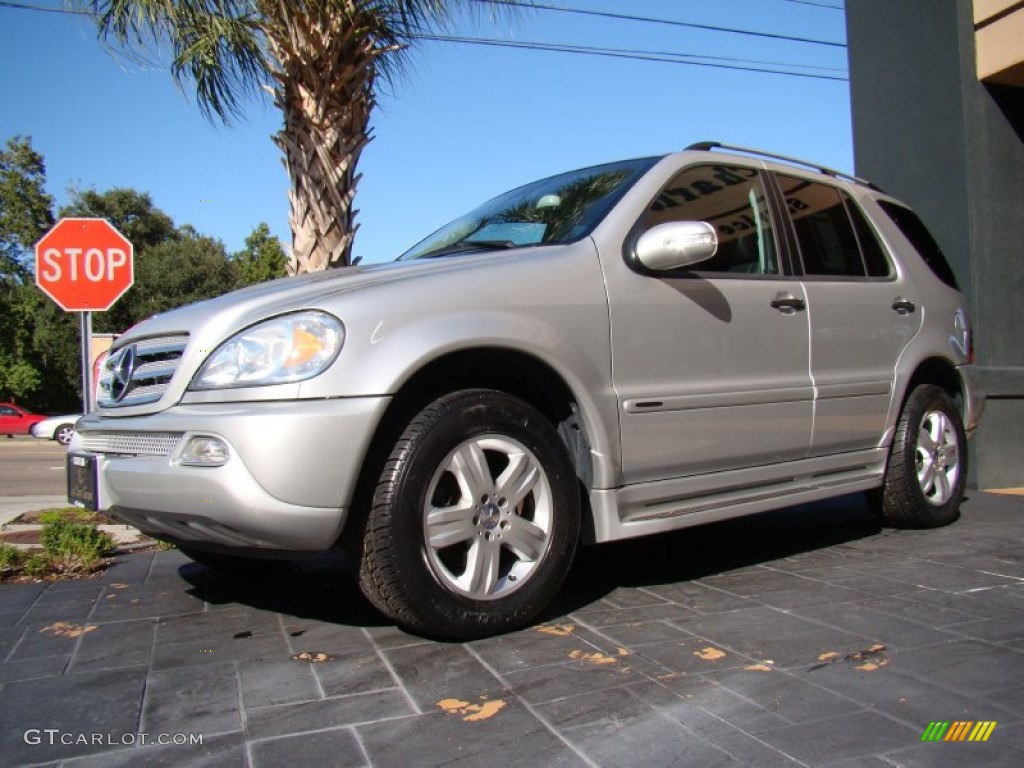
(917, 233)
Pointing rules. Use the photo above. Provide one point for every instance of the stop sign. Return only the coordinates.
(84, 264)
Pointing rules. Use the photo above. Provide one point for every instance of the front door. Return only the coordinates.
(711, 365)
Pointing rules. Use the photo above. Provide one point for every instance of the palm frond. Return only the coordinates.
(217, 44)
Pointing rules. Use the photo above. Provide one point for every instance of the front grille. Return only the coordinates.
(132, 443)
(140, 372)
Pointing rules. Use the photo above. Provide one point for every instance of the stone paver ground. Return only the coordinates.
(806, 637)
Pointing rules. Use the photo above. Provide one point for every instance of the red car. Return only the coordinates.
(15, 420)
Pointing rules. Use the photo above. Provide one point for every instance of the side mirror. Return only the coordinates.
(676, 244)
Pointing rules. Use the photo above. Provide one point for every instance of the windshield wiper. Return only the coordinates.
(469, 245)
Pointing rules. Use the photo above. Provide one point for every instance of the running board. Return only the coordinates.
(666, 505)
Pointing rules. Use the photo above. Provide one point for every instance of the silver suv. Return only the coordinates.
(612, 352)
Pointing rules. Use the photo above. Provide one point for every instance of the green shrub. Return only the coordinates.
(74, 514)
(74, 547)
(36, 565)
(10, 557)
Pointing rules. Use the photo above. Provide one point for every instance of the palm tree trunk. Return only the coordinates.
(324, 88)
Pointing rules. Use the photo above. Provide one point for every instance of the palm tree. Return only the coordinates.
(321, 60)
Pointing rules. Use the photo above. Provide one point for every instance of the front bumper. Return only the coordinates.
(286, 485)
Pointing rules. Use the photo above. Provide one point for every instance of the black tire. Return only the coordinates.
(63, 433)
(501, 550)
(927, 469)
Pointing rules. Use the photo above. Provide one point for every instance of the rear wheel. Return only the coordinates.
(927, 468)
(474, 519)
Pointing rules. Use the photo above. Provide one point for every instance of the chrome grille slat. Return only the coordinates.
(156, 370)
(132, 443)
(140, 372)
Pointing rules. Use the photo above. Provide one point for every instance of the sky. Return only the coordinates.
(468, 122)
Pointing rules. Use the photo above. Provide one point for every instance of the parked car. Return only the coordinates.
(15, 420)
(617, 351)
(59, 428)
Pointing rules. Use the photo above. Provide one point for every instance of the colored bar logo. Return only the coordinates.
(959, 730)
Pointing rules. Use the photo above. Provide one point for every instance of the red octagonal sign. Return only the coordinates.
(84, 265)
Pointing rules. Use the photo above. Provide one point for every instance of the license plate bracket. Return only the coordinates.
(83, 480)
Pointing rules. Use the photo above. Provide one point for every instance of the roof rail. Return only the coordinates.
(707, 146)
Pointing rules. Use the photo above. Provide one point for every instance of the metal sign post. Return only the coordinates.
(85, 331)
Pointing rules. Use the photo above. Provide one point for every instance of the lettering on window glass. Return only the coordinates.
(732, 200)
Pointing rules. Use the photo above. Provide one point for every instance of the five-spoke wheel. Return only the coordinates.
(474, 519)
(927, 468)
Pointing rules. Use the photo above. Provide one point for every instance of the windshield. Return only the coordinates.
(552, 211)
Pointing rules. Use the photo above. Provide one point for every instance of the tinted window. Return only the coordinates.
(828, 243)
(874, 253)
(732, 200)
(917, 233)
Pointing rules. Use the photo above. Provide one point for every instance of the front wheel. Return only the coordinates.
(927, 468)
(474, 519)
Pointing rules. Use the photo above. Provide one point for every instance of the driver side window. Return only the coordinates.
(732, 200)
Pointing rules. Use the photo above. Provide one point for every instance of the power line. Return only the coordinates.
(665, 57)
(618, 53)
(44, 9)
(669, 22)
(817, 5)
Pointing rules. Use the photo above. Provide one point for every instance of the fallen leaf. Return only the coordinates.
(592, 658)
(65, 629)
(874, 650)
(871, 666)
(759, 668)
(623, 652)
(830, 656)
(472, 713)
(313, 657)
(710, 654)
(558, 630)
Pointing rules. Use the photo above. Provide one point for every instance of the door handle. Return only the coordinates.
(787, 303)
(903, 306)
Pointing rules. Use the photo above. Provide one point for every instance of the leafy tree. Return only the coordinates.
(26, 210)
(33, 336)
(188, 268)
(262, 259)
(130, 211)
(323, 59)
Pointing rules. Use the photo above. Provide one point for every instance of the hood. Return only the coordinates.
(233, 311)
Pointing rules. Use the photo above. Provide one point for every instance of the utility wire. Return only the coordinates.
(665, 58)
(25, 7)
(669, 22)
(817, 5)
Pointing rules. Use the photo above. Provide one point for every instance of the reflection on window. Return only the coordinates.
(560, 209)
(834, 237)
(732, 200)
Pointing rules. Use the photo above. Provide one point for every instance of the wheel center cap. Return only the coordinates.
(489, 516)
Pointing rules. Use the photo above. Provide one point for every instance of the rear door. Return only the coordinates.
(862, 313)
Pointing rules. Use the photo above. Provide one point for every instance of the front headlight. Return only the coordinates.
(286, 349)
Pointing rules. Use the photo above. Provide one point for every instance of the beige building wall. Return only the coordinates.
(999, 37)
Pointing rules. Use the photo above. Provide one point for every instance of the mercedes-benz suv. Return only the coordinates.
(613, 352)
